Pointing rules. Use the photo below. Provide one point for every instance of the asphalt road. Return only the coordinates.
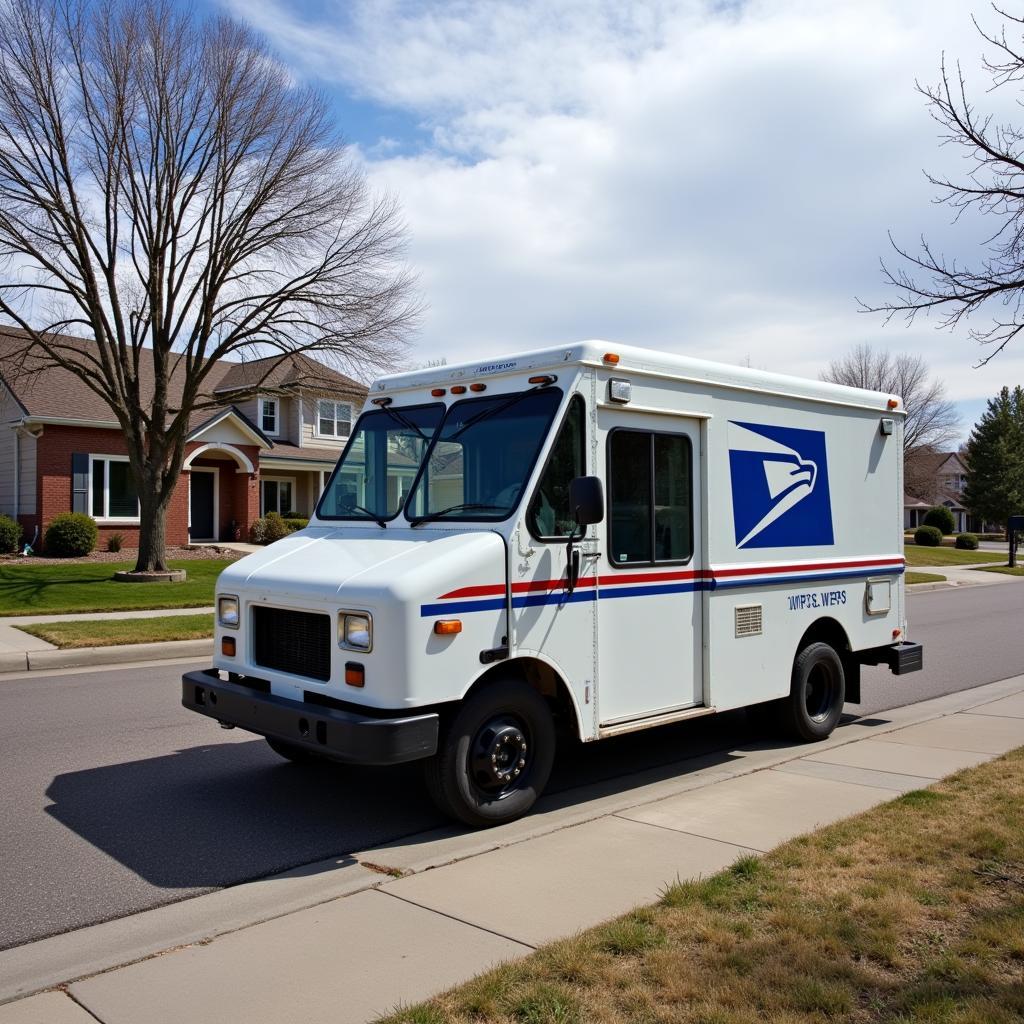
(114, 799)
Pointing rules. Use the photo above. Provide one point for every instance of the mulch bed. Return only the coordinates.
(204, 553)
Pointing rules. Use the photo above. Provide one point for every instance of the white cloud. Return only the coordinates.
(710, 178)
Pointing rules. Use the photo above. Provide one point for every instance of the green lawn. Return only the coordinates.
(83, 587)
(924, 577)
(917, 555)
(912, 912)
(108, 632)
(1017, 570)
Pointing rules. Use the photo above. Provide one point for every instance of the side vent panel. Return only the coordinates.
(748, 620)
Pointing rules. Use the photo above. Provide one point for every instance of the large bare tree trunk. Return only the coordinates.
(152, 536)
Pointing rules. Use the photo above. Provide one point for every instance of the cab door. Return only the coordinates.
(650, 628)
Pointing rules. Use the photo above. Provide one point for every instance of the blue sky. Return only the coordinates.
(706, 177)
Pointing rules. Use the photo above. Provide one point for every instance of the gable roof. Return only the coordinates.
(51, 392)
(246, 425)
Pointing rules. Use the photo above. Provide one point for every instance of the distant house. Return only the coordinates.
(936, 478)
(61, 449)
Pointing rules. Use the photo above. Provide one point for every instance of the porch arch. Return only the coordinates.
(220, 447)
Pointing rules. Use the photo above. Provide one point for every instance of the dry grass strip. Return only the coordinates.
(913, 911)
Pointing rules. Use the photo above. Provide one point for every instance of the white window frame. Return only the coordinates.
(261, 408)
(106, 517)
(277, 480)
(215, 470)
(316, 421)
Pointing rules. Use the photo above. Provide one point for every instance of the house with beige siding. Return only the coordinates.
(253, 452)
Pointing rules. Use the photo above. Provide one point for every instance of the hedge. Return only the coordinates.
(928, 536)
(71, 535)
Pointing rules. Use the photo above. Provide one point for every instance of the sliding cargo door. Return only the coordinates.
(650, 608)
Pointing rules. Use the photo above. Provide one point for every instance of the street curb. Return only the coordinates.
(71, 956)
(80, 657)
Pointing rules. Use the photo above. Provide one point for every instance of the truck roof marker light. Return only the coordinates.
(543, 378)
(355, 674)
(438, 392)
(458, 389)
(611, 357)
(447, 627)
(382, 401)
(478, 387)
(893, 403)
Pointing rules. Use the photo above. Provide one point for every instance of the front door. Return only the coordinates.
(201, 489)
(650, 616)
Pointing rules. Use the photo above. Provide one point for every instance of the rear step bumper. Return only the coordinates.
(901, 657)
(342, 735)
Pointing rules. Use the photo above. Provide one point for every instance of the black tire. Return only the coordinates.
(817, 693)
(494, 758)
(293, 752)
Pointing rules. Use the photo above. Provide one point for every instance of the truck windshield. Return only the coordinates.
(482, 456)
(377, 469)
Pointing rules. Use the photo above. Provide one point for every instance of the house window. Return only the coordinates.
(268, 415)
(277, 496)
(333, 419)
(114, 495)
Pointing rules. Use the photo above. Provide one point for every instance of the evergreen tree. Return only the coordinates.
(995, 459)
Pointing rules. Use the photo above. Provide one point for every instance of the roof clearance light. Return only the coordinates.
(448, 627)
(381, 401)
(894, 403)
(438, 392)
(458, 389)
(611, 357)
(544, 378)
(477, 387)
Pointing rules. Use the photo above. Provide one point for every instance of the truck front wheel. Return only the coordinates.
(494, 758)
(817, 693)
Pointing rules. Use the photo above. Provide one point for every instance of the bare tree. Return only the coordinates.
(168, 192)
(932, 420)
(928, 281)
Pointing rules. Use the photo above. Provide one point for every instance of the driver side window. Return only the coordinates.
(549, 515)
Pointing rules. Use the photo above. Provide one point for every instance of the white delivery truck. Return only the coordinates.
(579, 541)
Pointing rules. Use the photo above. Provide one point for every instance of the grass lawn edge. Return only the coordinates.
(77, 633)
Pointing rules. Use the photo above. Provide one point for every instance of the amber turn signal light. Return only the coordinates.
(448, 627)
(355, 674)
(227, 646)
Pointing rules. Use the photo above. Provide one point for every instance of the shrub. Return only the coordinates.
(941, 518)
(71, 535)
(928, 536)
(115, 542)
(966, 542)
(10, 535)
(258, 531)
(276, 527)
(295, 523)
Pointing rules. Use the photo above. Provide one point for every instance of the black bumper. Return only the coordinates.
(342, 735)
(901, 657)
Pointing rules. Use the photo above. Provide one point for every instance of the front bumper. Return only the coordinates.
(342, 735)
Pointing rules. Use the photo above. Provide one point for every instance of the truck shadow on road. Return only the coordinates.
(218, 814)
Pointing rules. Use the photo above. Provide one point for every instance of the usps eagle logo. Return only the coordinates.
(780, 495)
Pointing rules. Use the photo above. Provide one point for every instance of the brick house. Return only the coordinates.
(938, 478)
(61, 448)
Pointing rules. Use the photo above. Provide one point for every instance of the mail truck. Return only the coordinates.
(566, 545)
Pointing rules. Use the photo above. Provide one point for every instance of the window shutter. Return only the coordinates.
(80, 482)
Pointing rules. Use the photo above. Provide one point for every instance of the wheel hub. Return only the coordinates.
(500, 755)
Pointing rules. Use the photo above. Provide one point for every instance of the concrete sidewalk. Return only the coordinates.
(349, 939)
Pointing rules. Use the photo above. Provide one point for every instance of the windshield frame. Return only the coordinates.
(376, 520)
(480, 517)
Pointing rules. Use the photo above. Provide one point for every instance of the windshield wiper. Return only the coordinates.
(405, 421)
(373, 515)
(494, 410)
(469, 506)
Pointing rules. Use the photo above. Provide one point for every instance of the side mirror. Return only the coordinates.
(586, 500)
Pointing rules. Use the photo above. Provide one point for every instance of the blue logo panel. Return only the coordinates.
(780, 494)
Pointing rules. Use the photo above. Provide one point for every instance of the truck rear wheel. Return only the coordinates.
(494, 758)
(817, 693)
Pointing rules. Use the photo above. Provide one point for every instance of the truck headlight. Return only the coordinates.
(355, 631)
(227, 611)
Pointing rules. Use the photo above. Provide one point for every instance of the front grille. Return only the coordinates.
(291, 641)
